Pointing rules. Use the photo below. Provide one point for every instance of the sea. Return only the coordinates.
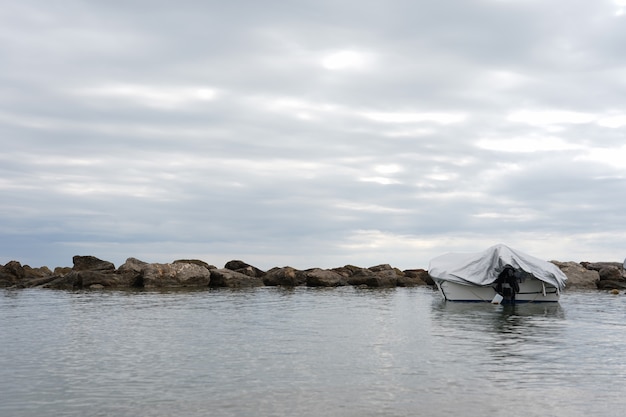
(327, 352)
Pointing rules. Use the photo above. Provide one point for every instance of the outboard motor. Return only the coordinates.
(507, 285)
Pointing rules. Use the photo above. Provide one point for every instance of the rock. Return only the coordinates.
(157, 275)
(91, 263)
(380, 268)
(132, 266)
(611, 273)
(415, 277)
(323, 278)
(15, 268)
(244, 268)
(232, 279)
(375, 278)
(37, 282)
(606, 284)
(132, 272)
(347, 271)
(67, 282)
(361, 277)
(597, 266)
(196, 262)
(33, 273)
(286, 276)
(89, 279)
(11, 273)
(84, 279)
(383, 279)
(62, 270)
(577, 275)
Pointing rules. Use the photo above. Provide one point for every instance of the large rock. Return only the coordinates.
(233, 279)
(84, 279)
(347, 271)
(37, 282)
(577, 275)
(62, 270)
(91, 263)
(132, 267)
(11, 274)
(611, 273)
(414, 277)
(69, 281)
(157, 275)
(361, 277)
(194, 261)
(35, 277)
(132, 272)
(607, 284)
(597, 266)
(323, 278)
(375, 277)
(244, 268)
(286, 276)
(35, 273)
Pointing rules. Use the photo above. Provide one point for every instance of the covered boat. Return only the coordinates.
(498, 274)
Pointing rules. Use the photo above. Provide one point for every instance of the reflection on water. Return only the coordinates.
(307, 352)
(514, 319)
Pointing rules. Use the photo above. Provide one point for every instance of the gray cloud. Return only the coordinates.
(310, 134)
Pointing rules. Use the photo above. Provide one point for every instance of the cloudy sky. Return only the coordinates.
(311, 132)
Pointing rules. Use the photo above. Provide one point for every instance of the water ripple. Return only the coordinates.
(307, 352)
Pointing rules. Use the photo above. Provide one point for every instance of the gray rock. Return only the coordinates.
(33, 273)
(611, 285)
(347, 271)
(9, 274)
(66, 282)
(132, 272)
(383, 278)
(132, 266)
(195, 261)
(611, 273)
(286, 276)
(597, 266)
(577, 275)
(362, 277)
(380, 268)
(233, 279)
(62, 270)
(91, 263)
(323, 278)
(415, 277)
(157, 275)
(244, 268)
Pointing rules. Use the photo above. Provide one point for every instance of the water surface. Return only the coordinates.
(308, 352)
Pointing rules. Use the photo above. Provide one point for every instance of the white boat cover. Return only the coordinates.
(483, 268)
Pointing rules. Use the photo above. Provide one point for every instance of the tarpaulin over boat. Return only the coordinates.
(483, 268)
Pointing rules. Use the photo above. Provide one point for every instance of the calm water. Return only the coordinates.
(308, 352)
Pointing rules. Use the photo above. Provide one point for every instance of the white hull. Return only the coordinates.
(530, 290)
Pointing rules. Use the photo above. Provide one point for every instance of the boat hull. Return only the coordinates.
(532, 290)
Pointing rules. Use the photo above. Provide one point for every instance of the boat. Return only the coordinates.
(497, 275)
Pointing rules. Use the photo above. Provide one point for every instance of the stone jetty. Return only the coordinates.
(90, 272)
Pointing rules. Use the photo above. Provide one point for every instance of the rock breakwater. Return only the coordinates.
(90, 272)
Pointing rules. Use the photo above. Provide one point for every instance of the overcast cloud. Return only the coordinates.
(312, 132)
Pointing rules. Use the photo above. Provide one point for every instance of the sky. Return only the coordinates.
(311, 133)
